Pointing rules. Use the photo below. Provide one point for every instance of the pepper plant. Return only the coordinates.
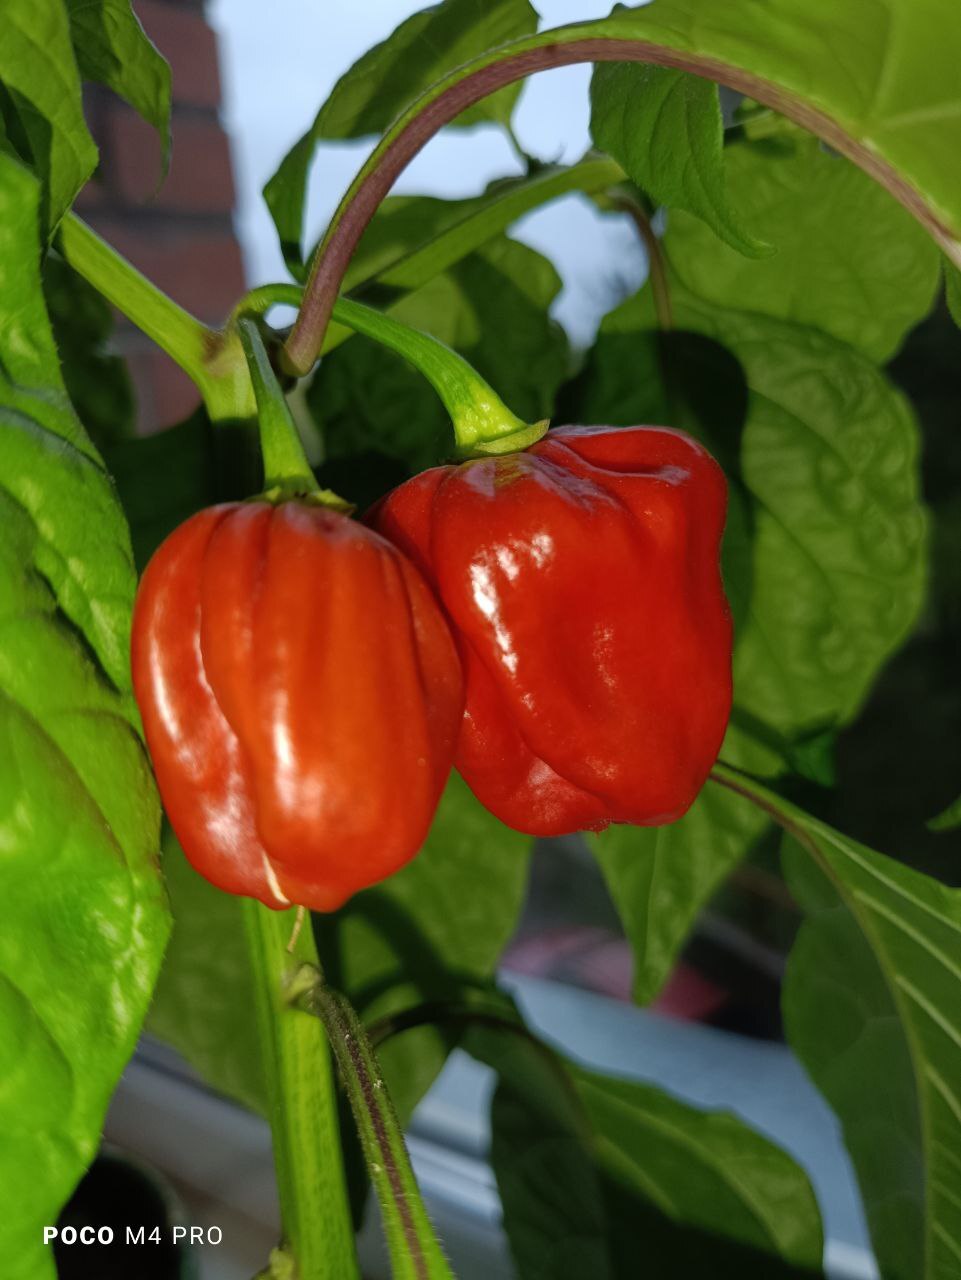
(800, 245)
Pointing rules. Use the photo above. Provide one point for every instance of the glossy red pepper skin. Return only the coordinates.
(582, 582)
(301, 697)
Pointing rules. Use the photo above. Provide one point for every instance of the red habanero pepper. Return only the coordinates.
(301, 697)
(582, 582)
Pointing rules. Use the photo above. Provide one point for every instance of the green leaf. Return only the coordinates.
(37, 68)
(113, 49)
(664, 127)
(384, 81)
(952, 288)
(162, 480)
(743, 1202)
(491, 308)
(541, 1153)
(660, 878)
(85, 914)
(592, 1169)
(872, 1006)
(850, 260)
(203, 999)
(98, 384)
(949, 819)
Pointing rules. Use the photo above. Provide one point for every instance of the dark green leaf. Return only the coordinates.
(203, 1001)
(744, 1204)
(850, 260)
(491, 308)
(595, 1173)
(660, 878)
(664, 127)
(37, 68)
(85, 916)
(872, 1006)
(541, 1153)
(98, 384)
(949, 820)
(113, 49)
(164, 478)
(387, 79)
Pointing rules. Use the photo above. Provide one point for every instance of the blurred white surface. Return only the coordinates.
(218, 1156)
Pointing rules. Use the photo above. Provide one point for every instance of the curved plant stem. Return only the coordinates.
(660, 289)
(303, 1106)
(493, 70)
(414, 1251)
(483, 424)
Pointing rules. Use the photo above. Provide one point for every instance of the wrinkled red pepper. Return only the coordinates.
(581, 578)
(301, 696)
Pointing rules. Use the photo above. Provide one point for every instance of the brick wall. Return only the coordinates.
(180, 235)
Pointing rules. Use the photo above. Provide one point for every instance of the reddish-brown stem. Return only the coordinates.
(655, 261)
(334, 254)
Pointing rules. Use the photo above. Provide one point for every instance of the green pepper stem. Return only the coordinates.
(302, 1104)
(483, 424)
(285, 464)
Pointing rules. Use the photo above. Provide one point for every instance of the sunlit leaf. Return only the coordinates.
(85, 912)
(664, 127)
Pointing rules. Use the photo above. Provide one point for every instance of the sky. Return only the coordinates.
(280, 61)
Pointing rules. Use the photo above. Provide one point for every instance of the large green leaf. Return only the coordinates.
(743, 1203)
(596, 1173)
(113, 49)
(37, 68)
(203, 999)
(664, 127)
(491, 307)
(872, 1006)
(85, 916)
(388, 78)
(850, 260)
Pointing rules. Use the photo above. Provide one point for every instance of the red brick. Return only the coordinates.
(200, 179)
(165, 395)
(90, 197)
(189, 46)
(202, 270)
